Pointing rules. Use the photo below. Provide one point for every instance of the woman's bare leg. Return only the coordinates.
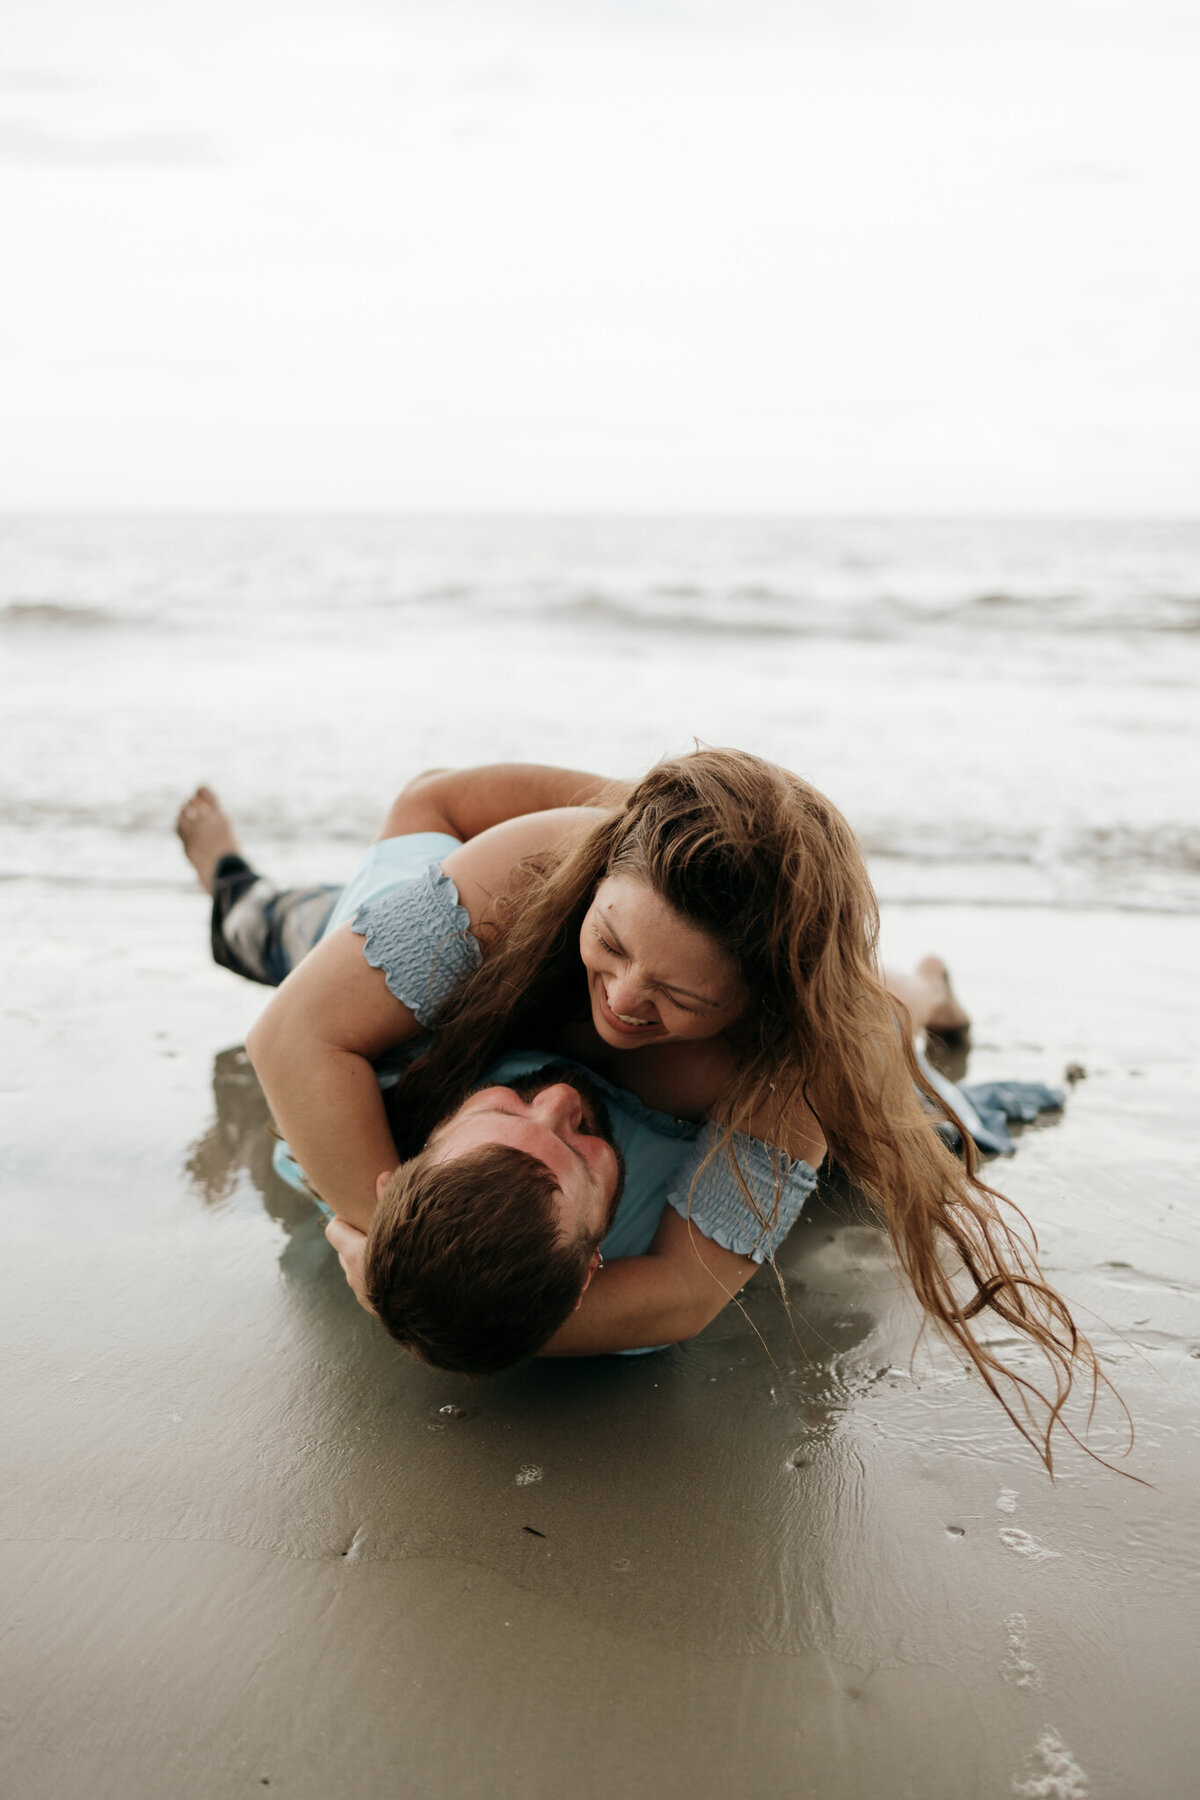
(929, 997)
(207, 834)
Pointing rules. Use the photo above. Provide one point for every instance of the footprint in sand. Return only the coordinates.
(1051, 1772)
(1016, 1667)
(1013, 1538)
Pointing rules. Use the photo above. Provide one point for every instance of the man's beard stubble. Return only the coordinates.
(595, 1112)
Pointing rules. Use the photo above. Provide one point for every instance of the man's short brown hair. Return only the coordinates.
(466, 1262)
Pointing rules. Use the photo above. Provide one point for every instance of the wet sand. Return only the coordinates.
(247, 1546)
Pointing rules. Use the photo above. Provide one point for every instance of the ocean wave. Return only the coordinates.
(683, 610)
(760, 611)
(1170, 848)
(646, 615)
(57, 613)
(149, 815)
(849, 578)
(748, 610)
(1149, 613)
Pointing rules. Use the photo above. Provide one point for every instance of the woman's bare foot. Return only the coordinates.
(944, 1016)
(206, 834)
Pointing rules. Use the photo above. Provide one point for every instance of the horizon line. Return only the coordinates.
(690, 515)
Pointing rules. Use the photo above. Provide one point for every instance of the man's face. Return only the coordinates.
(557, 1116)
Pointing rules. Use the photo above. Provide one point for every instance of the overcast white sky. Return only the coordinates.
(559, 255)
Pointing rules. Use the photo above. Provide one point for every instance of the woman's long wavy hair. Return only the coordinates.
(762, 861)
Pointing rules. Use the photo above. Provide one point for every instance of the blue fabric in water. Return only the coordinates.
(1000, 1104)
(988, 1108)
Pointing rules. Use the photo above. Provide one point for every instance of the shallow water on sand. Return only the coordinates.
(244, 1545)
(1003, 710)
(242, 1539)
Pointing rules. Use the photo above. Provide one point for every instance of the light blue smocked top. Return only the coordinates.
(419, 936)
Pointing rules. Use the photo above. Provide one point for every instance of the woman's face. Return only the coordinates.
(652, 975)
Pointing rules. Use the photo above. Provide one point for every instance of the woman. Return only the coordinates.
(741, 892)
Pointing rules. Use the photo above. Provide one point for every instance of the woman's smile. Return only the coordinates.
(652, 974)
(622, 1021)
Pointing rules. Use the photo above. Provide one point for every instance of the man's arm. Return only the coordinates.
(467, 802)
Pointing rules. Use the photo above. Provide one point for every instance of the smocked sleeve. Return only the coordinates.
(718, 1208)
(420, 937)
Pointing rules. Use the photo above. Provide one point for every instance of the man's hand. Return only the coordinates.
(351, 1247)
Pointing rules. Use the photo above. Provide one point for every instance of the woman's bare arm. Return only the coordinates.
(315, 1043)
(687, 1278)
(312, 1051)
(665, 1297)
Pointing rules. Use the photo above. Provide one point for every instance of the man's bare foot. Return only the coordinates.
(206, 834)
(945, 1018)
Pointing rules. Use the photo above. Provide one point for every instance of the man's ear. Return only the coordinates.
(593, 1265)
(381, 1181)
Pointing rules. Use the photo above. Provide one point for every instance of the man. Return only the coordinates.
(577, 1170)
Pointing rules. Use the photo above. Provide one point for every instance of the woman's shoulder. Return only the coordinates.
(482, 868)
(786, 1122)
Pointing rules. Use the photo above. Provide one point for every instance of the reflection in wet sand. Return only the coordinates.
(245, 1538)
(234, 1154)
(702, 1495)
